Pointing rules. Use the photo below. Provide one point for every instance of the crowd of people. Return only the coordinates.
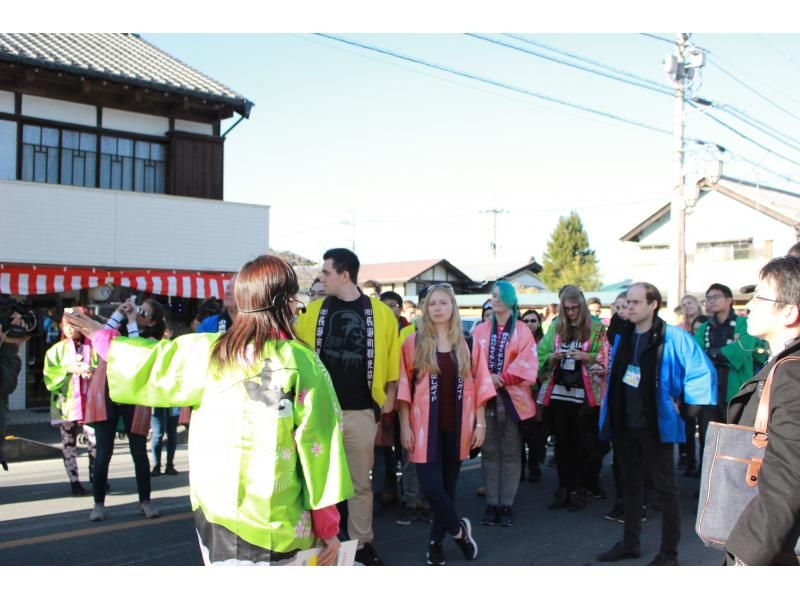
(305, 418)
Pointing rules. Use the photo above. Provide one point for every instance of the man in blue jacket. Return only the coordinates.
(652, 363)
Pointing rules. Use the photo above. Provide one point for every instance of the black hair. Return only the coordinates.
(794, 250)
(539, 334)
(344, 260)
(784, 272)
(423, 292)
(392, 295)
(157, 329)
(722, 289)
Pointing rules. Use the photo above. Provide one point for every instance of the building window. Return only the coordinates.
(132, 165)
(8, 150)
(727, 250)
(63, 156)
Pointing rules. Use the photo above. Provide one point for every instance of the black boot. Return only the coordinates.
(78, 489)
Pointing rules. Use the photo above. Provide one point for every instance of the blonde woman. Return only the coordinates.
(441, 398)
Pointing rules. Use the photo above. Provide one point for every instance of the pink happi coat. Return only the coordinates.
(95, 409)
(477, 391)
(521, 360)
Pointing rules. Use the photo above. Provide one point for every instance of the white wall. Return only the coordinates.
(134, 122)
(716, 217)
(58, 224)
(7, 102)
(58, 110)
(193, 127)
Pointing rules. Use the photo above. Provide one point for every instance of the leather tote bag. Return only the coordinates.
(731, 468)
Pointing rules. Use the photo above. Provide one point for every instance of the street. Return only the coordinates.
(42, 524)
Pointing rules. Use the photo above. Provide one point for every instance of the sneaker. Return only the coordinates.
(435, 555)
(490, 517)
(598, 493)
(622, 516)
(148, 510)
(616, 514)
(663, 560)
(156, 471)
(98, 513)
(78, 489)
(466, 542)
(504, 517)
(618, 553)
(577, 501)
(408, 517)
(170, 470)
(366, 555)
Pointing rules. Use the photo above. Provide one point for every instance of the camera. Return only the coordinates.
(10, 307)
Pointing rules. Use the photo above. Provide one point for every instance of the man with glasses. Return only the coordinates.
(730, 348)
(652, 363)
(767, 530)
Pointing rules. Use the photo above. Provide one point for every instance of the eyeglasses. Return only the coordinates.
(710, 298)
(142, 312)
(767, 299)
(440, 285)
(531, 321)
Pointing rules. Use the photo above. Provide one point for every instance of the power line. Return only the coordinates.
(495, 83)
(741, 158)
(751, 76)
(746, 138)
(779, 51)
(648, 86)
(752, 89)
(671, 42)
(588, 60)
(760, 126)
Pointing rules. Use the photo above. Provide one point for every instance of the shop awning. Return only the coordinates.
(40, 280)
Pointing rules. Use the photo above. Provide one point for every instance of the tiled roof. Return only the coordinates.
(121, 57)
(394, 271)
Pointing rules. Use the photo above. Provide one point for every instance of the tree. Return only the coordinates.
(568, 259)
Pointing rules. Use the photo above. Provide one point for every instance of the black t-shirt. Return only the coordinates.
(634, 399)
(344, 353)
(448, 387)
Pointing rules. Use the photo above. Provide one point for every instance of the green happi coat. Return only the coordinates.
(67, 389)
(265, 445)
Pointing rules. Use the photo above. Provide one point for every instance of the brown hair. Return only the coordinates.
(582, 330)
(266, 283)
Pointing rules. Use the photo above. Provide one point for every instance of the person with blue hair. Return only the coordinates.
(513, 364)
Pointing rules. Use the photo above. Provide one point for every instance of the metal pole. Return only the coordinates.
(677, 208)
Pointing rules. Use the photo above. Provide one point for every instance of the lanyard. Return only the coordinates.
(497, 354)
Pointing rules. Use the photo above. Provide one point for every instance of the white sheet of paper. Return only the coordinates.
(344, 558)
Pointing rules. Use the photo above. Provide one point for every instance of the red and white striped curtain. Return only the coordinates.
(39, 280)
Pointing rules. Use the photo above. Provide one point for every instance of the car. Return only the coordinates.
(468, 324)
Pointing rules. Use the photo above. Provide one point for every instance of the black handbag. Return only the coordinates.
(731, 468)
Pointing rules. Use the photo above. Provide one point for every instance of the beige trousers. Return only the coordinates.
(359, 443)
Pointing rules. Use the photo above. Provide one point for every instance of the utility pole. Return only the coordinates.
(493, 244)
(352, 222)
(675, 66)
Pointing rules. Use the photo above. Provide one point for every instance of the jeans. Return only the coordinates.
(500, 462)
(437, 481)
(104, 437)
(639, 450)
(163, 420)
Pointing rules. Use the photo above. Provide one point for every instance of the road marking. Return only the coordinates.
(91, 531)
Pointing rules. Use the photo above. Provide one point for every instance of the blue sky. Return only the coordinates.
(415, 155)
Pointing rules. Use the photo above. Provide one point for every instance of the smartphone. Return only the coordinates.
(68, 310)
(132, 298)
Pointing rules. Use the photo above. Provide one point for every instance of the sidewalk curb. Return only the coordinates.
(22, 449)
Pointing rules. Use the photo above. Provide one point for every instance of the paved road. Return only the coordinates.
(42, 524)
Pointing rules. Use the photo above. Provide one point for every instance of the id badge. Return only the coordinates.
(632, 376)
(568, 363)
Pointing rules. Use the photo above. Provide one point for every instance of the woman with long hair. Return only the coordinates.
(692, 312)
(574, 343)
(68, 366)
(513, 363)
(265, 448)
(441, 398)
